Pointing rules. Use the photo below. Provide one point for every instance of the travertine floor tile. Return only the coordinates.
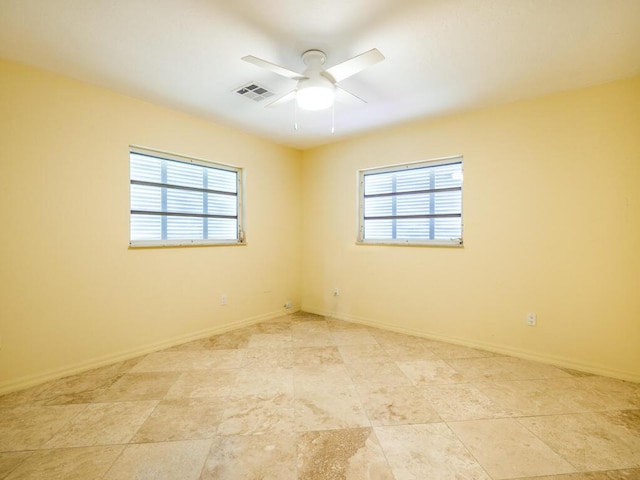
(503, 368)
(271, 340)
(430, 372)
(508, 450)
(264, 382)
(402, 405)
(367, 353)
(316, 356)
(575, 373)
(116, 368)
(264, 457)
(29, 396)
(29, 427)
(300, 326)
(325, 398)
(387, 337)
(189, 360)
(450, 351)
(334, 408)
(161, 461)
(617, 394)
(267, 357)
(227, 341)
(419, 452)
(77, 389)
(301, 316)
(627, 474)
(462, 401)
(309, 339)
(234, 339)
(315, 377)
(311, 334)
(308, 397)
(84, 463)
(336, 325)
(352, 454)
(353, 337)
(258, 415)
(548, 396)
(408, 352)
(182, 419)
(9, 461)
(138, 386)
(203, 383)
(103, 424)
(276, 326)
(592, 441)
(192, 345)
(386, 374)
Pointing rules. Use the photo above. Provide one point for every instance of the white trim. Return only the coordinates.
(182, 158)
(240, 189)
(182, 243)
(417, 164)
(360, 240)
(457, 242)
(555, 360)
(104, 360)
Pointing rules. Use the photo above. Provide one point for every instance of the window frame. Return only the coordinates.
(240, 181)
(420, 242)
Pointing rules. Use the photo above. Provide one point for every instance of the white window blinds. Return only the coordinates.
(417, 203)
(180, 201)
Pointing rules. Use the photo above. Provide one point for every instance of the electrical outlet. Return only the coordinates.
(288, 304)
(223, 299)
(532, 319)
(336, 291)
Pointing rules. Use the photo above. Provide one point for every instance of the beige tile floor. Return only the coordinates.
(307, 397)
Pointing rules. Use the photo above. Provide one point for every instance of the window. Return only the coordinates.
(412, 204)
(182, 201)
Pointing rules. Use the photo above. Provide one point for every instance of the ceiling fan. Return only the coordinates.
(317, 87)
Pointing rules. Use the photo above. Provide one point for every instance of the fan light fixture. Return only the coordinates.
(317, 87)
(315, 93)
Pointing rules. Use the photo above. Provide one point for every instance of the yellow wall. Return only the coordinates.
(72, 294)
(551, 212)
(551, 225)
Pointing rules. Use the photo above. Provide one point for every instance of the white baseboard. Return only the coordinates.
(555, 360)
(90, 364)
(32, 380)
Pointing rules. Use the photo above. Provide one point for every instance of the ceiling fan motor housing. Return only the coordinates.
(314, 58)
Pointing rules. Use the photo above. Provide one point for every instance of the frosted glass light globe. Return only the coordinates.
(315, 94)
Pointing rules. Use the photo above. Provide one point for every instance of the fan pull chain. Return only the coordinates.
(333, 118)
(295, 116)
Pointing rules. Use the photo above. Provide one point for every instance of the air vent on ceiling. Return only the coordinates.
(254, 91)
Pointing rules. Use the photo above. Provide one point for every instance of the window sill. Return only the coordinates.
(184, 243)
(407, 243)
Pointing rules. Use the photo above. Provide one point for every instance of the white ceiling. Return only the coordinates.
(441, 55)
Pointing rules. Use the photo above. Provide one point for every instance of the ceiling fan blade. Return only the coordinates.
(272, 67)
(284, 99)
(354, 65)
(348, 98)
